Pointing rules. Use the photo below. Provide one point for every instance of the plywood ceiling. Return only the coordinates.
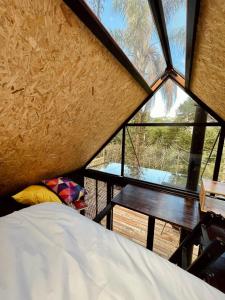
(62, 93)
(208, 73)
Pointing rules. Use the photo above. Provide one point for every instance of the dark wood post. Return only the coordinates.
(197, 143)
(109, 198)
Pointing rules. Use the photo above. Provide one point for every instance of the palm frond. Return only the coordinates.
(171, 6)
(177, 37)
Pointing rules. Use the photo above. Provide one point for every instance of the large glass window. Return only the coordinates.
(132, 26)
(165, 153)
(176, 14)
(160, 154)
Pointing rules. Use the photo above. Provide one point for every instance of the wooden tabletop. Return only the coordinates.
(214, 187)
(215, 205)
(176, 210)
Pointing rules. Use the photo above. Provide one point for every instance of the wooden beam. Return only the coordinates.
(158, 14)
(192, 19)
(177, 77)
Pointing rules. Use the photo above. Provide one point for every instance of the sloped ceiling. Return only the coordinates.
(208, 73)
(62, 93)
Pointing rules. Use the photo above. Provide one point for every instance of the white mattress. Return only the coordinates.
(49, 251)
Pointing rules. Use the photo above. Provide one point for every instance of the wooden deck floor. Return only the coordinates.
(133, 225)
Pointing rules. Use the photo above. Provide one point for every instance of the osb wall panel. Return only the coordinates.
(208, 74)
(62, 93)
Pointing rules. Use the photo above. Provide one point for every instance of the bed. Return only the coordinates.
(49, 251)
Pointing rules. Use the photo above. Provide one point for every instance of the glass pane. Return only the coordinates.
(109, 159)
(161, 154)
(158, 154)
(175, 15)
(210, 119)
(132, 26)
(169, 104)
(207, 166)
(222, 167)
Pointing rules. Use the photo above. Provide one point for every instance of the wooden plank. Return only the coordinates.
(211, 203)
(215, 205)
(182, 211)
(214, 187)
(133, 226)
(63, 94)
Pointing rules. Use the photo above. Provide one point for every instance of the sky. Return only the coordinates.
(178, 21)
(111, 19)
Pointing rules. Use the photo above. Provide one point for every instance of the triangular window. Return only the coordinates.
(158, 141)
(170, 104)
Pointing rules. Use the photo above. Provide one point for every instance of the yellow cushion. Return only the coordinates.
(35, 194)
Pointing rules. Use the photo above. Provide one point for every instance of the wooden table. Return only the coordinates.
(180, 211)
(210, 203)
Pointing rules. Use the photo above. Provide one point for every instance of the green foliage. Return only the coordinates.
(186, 111)
(161, 148)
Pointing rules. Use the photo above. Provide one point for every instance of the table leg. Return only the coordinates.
(189, 248)
(109, 215)
(150, 236)
(109, 220)
(112, 219)
(183, 234)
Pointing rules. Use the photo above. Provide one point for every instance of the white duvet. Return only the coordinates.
(49, 251)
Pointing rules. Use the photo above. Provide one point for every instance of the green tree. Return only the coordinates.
(208, 163)
(186, 111)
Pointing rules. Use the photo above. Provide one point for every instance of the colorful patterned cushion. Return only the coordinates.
(66, 189)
